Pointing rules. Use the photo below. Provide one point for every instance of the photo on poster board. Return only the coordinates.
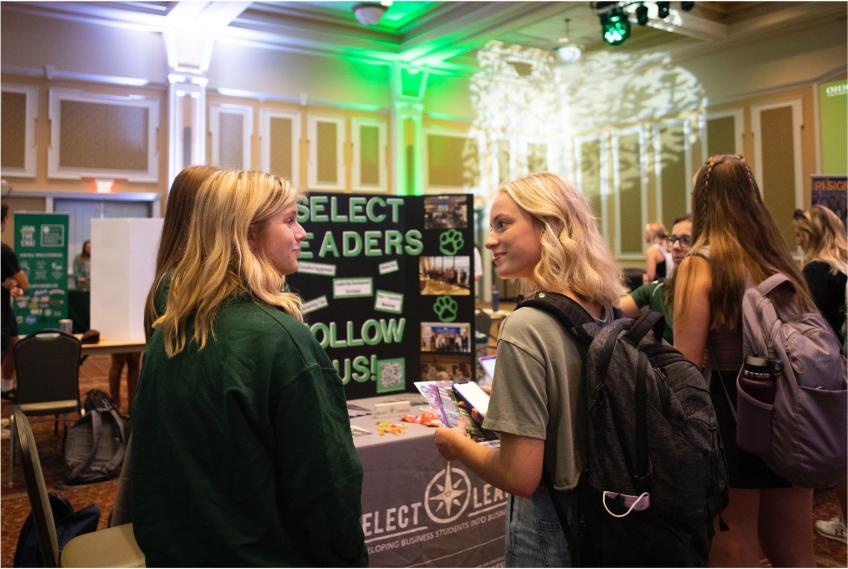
(445, 212)
(442, 337)
(445, 366)
(444, 275)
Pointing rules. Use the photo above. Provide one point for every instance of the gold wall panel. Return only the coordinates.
(721, 136)
(13, 148)
(590, 173)
(328, 158)
(231, 140)
(630, 194)
(779, 168)
(369, 154)
(281, 146)
(537, 157)
(96, 135)
(675, 186)
(445, 165)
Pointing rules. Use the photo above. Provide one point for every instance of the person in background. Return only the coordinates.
(821, 235)
(15, 282)
(659, 295)
(131, 360)
(174, 234)
(82, 267)
(735, 239)
(242, 452)
(658, 261)
(543, 233)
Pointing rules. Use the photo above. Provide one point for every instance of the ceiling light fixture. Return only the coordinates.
(567, 50)
(615, 27)
(642, 15)
(615, 20)
(369, 13)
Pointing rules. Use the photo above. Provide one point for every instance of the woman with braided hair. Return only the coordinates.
(736, 240)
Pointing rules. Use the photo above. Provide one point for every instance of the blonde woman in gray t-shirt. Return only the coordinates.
(544, 234)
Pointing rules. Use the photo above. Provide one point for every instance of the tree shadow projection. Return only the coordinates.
(525, 100)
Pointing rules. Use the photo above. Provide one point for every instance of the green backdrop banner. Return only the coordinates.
(834, 116)
(41, 245)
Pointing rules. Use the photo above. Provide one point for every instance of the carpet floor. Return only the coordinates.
(14, 504)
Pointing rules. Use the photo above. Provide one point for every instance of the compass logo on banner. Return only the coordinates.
(447, 495)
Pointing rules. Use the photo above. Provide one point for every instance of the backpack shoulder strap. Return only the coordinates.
(96, 431)
(568, 313)
(120, 425)
(647, 321)
(771, 283)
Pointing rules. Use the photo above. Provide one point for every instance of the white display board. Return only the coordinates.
(123, 263)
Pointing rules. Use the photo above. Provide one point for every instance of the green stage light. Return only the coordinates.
(663, 9)
(615, 27)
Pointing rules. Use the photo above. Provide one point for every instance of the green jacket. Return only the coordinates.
(242, 453)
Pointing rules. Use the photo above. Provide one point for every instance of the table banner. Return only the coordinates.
(420, 510)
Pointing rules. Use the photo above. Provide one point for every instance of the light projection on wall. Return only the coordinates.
(519, 114)
(626, 122)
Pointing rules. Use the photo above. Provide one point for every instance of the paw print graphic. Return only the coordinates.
(445, 308)
(450, 242)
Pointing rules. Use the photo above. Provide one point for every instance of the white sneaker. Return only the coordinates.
(832, 529)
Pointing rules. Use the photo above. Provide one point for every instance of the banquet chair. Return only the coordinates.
(47, 366)
(112, 547)
(483, 323)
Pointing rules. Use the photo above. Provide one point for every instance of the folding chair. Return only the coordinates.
(112, 547)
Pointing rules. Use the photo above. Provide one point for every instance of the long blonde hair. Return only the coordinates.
(825, 237)
(574, 255)
(174, 228)
(730, 217)
(219, 261)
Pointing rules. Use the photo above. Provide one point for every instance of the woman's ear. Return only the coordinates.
(252, 238)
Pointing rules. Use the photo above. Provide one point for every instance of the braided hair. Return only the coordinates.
(744, 242)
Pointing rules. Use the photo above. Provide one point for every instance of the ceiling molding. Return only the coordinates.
(444, 38)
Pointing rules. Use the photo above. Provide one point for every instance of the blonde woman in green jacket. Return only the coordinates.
(242, 452)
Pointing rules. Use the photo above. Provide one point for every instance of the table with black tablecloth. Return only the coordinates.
(418, 509)
(79, 309)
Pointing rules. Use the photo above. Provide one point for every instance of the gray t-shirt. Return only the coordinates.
(537, 391)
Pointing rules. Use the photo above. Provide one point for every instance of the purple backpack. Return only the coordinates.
(802, 435)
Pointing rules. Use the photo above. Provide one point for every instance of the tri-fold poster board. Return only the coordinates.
(388, 287)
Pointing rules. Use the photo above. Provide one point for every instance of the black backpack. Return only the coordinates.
(69, 524)
(655, 475)
(96, 444)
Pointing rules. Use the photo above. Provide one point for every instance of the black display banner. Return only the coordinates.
(387, 284)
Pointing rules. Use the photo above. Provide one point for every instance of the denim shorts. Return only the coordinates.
(534, 537)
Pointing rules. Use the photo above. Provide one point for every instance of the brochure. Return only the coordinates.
(442, 399)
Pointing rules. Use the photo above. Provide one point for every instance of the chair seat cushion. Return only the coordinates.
(49, 407)
(111, 547)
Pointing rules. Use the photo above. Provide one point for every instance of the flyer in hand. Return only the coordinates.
(440, 396)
